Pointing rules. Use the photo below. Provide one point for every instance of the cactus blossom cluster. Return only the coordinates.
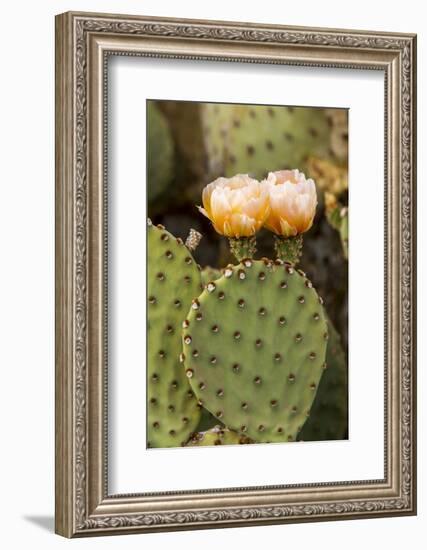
(285, 203)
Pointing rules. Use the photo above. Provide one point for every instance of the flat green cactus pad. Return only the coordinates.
(173, 280)
(218, 435)
(258, 139)
(254, 346)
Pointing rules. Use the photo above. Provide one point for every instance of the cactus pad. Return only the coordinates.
(217, 435)
(173, 280)
(254, 346)
(256, 139)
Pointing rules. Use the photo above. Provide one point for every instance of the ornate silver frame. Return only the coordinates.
(83, 42)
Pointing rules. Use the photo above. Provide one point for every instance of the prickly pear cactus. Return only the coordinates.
(218, 435)
(173, 280)
(160, 153)
(254, 346)
(328, 416)
(258, 140)
(337, 216)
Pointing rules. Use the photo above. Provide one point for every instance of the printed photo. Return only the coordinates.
(247, 274)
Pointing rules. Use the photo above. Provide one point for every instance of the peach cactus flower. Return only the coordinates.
(237, 206)
(293, 201)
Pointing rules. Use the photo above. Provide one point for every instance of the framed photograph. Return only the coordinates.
(235, 274)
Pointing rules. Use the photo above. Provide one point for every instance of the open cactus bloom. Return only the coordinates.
(293, 201)
(237, 206)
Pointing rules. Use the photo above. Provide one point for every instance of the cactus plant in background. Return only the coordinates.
(338, 122)
(328, 416)
(186, 126)
(337, 216)
(218, 435)
(216, 119)
(254, 345)
(254, 140)
(173, 281)
(160, 153)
